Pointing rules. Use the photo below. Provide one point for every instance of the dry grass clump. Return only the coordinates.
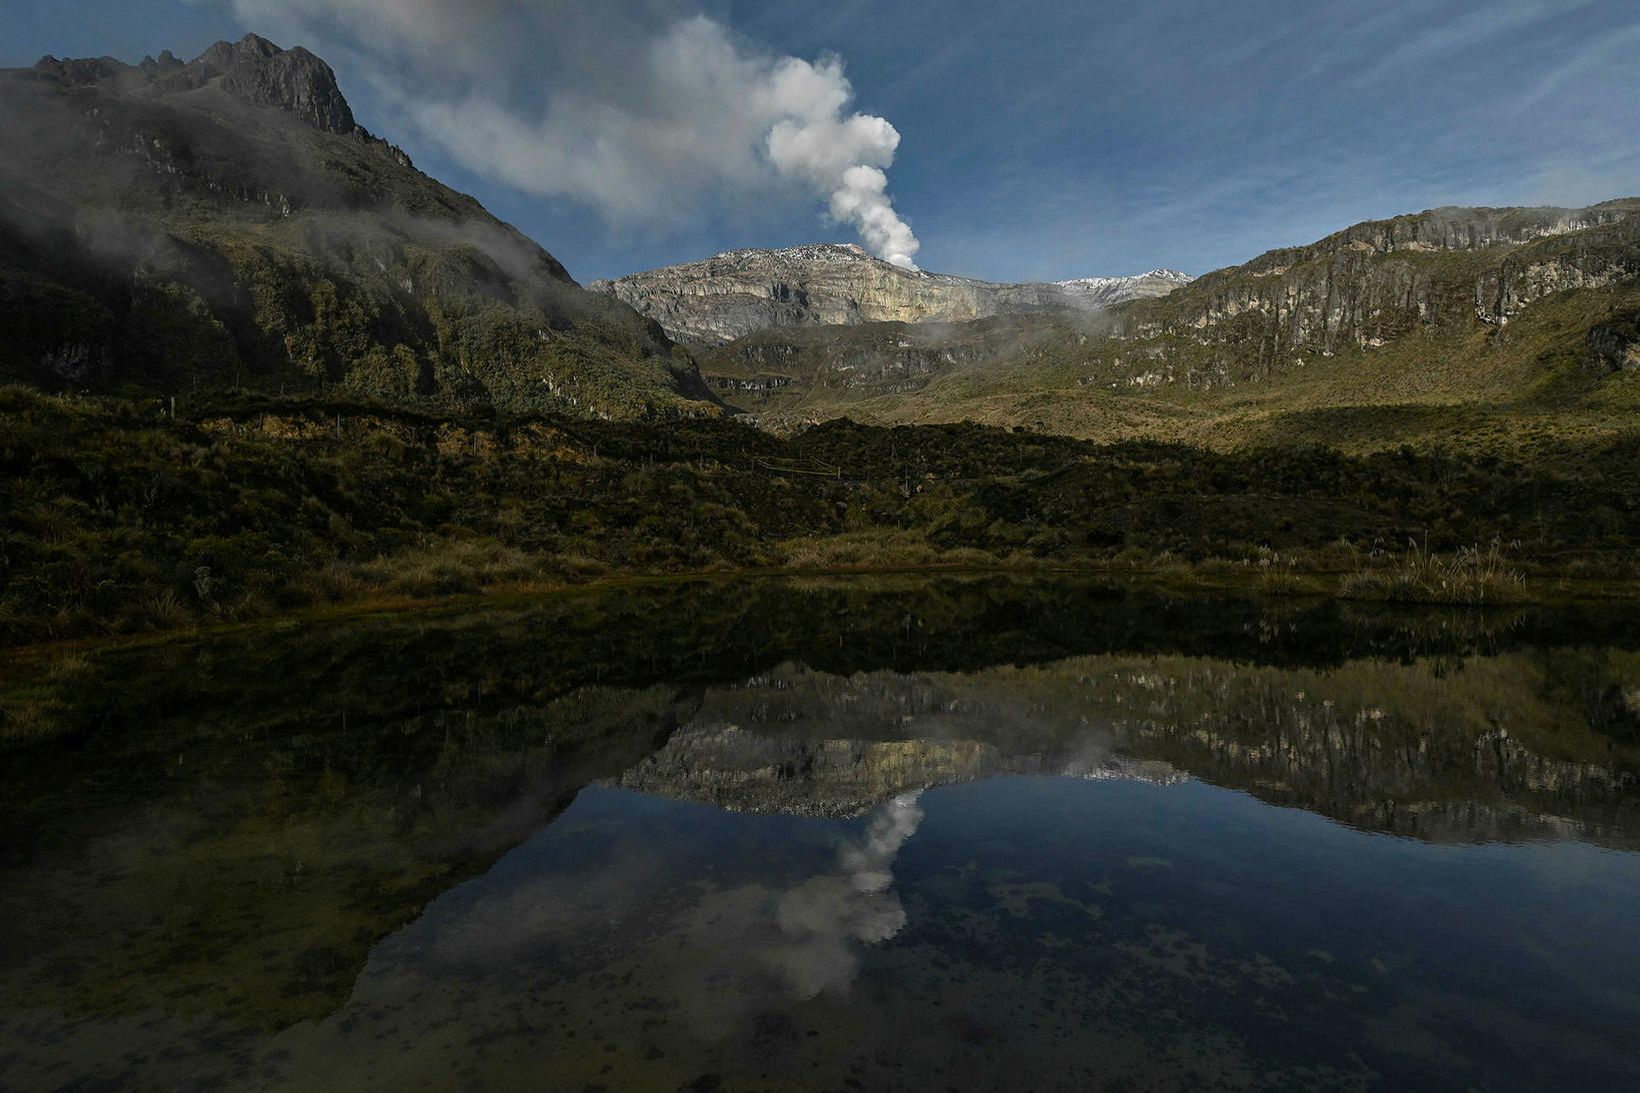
(448, 567)
(573, 566)
(1471, 576)
(161, 610)
(868, 550)
(1277, 573)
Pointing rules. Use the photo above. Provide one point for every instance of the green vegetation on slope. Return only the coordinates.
(114, 517)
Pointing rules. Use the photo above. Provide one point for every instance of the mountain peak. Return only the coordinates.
(224, 55)
(80, 70)
(252, 69)
(1170, 276)
(293, 80)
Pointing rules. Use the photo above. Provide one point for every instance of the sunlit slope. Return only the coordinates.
(1475, 325)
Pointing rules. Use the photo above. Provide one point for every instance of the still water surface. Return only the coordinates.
(965, 834)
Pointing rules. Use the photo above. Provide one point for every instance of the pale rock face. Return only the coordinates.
(740, 292)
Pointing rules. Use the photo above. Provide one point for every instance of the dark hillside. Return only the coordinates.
(226, 223)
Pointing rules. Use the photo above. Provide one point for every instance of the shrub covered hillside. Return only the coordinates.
(116, 517)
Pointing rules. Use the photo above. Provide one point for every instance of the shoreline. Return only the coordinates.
(1294, 584)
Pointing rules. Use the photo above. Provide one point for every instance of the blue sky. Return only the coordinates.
(1037, 139)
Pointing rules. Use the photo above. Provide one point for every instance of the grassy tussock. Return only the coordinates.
(31, 704)
(877, 550)
(1473, 575)
(454, 567)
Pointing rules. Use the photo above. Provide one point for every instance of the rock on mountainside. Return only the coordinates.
(253, 69)
(740, 292)
(295, 80)
(226, 222)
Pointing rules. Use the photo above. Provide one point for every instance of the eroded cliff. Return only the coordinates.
(741, 292)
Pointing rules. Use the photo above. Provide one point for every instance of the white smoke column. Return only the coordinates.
(842, 157)
(863, 201)
(650, 111)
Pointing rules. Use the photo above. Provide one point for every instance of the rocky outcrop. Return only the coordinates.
(77, 72)
(252, 69)
(260, 72)
(1615, 346)
(740, 292)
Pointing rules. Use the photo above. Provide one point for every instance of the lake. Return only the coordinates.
(890, 833)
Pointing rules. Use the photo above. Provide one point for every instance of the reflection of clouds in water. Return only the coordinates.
(718, 946)
(822, 919)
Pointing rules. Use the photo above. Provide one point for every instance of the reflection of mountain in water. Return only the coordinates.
(295, 794)
(1479, 753)
(767, 745)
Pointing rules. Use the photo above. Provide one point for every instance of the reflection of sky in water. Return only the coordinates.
(1043, 925)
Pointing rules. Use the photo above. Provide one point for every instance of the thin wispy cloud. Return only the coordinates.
(1616, 48)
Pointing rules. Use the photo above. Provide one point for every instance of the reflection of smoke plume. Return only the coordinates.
(824, 918)
(895, 822)
(648, 110)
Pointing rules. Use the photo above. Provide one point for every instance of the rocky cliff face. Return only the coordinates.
(1377, 281)
(295, 80)
(740, 292)
(252, 69)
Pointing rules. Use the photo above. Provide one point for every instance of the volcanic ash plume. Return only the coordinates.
(843, 158)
